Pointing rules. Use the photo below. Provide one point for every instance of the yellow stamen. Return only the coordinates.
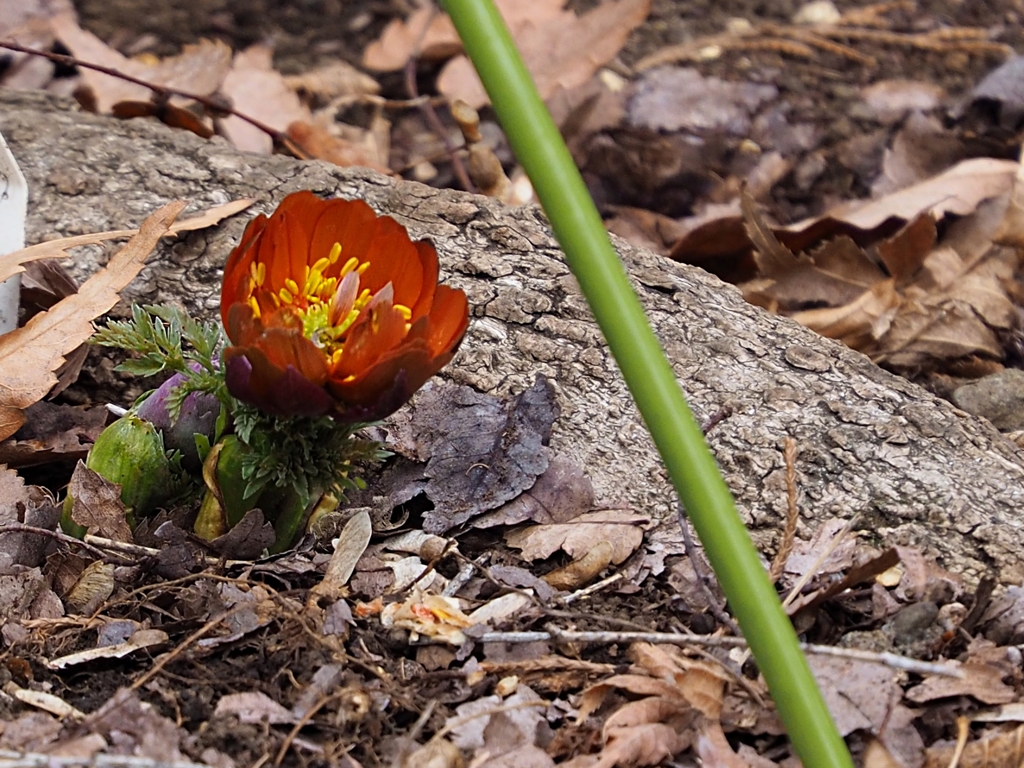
(258, 273)
(292, 286)
(255, 306)
(286, 296)
(335, 253)
(351, 264)
(404, 311)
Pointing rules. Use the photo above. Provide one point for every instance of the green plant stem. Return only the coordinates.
(602, 278)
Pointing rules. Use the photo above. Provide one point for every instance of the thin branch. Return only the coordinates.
(671, 638)
(213, 106)
(64, 538)
(430, 114)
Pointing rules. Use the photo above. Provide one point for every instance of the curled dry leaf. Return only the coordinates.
(623, 529)
(983, 682)
(29, 355)
(958, 191)
(97, 505)
(579, 572)
(895, 291)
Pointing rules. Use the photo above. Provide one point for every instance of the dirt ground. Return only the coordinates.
(274, 651)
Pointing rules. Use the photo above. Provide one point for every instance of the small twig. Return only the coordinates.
(715, 419)
(715, 641)
(714, 605)
(213, 106)
(792, 512)
(811, 572)
(137, 550)
(185, 644)
(304, 721)
(432, 565)
(587, 591)
(429, 113)
(963, 731)
(64, 539)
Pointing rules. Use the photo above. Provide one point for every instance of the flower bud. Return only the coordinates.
(198, 415)
(130, 452)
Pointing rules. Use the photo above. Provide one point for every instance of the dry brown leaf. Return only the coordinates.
(29, 355)
(560, 49)
(996, 749)
(835, 273)
(199, 68)
(983, 682)
(333, 80)
(647, 744)
(97, 504)
(959, 191)
(859, 323)
(563, 51)
(579, 572)
(713, 748)
(10, 263)
(437, 37)
(701, 684)
(667, 710)
(594, 696)
(859, 694)
(922, 148)
(622, 528)
(259, 91)
(54, 433)
(903, 254)
(318, 142)
(934, 328)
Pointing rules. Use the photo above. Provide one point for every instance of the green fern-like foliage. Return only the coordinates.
(311, 455)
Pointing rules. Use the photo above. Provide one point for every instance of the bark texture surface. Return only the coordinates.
(912, 468)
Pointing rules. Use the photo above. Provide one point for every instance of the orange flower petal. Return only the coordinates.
(386, 354)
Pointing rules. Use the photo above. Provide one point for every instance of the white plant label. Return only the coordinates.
(13, 209)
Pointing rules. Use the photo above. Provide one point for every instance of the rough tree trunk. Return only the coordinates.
(912, 468)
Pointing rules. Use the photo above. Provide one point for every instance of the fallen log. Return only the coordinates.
(911, 468)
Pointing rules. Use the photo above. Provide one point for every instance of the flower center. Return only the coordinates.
(327, 306)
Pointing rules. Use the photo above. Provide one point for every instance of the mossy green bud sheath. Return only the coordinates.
(602, 278)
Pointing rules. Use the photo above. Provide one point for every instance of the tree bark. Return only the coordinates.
(912, 468)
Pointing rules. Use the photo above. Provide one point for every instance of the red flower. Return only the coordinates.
(331, 309)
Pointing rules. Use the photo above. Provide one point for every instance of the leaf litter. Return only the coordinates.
(444, 633)
(328, 675)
